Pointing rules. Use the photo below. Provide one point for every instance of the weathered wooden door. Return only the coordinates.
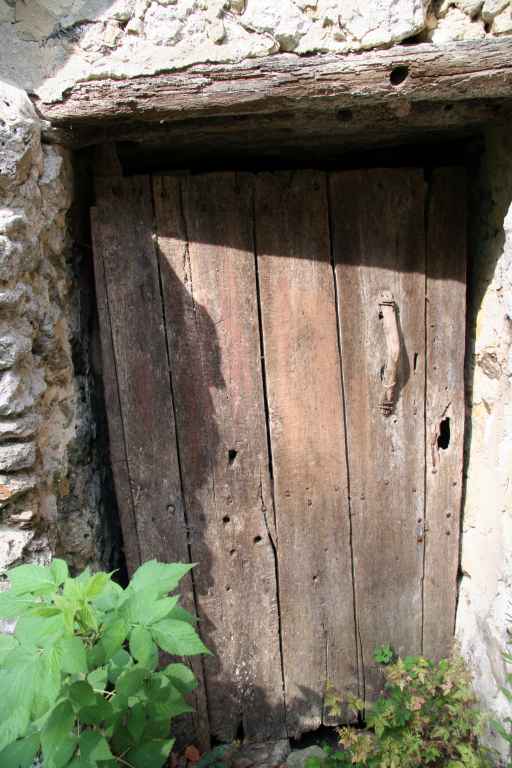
(283, 358)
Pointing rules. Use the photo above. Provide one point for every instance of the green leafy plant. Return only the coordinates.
(384, 654)
(80, 680)
(427, 716)
(505, 728)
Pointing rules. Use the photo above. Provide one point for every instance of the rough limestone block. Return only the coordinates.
(491, 8)
(17, 257)
(283, 20)
(349, 25)
(457, 25)
(502, 23)
(23, 426)
(19, 392)
(12, 486)
(11, 297)
(15, 342)
(12, 544)
(19, 136)
(16, 456)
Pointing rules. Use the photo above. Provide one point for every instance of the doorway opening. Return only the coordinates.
(243, 320)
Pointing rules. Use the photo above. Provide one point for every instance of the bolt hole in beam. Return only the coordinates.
(443, 438)
(344, 115)
(398, 75)
(232, 454)
(257, 539)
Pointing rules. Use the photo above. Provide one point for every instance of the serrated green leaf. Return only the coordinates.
(100, 712)
(18, 685)
(59, 571)
(181, 677)
(96, 656)
(74, 590)
(153, 753)
(44, 611)
(145, 608)
(178, 638)
(68, 608)
(109, 598)
(114, 637)
(137, 721)
(57, 739)
(159, 610)
(21, 753)
(96, 584)
(165, 700)
(165, 576)
(98, 678)
(82, 694)
(34, 579)
(7, 644)
(143, 648)
(87, 618)
(73, 656)
(121, 740)
(13, 606)
(180, 614)
(156, 729)
(47, 681)
(131, 681)
(118, 664)
(84, 576)
(39, 631)
(13, 724)
(94, 747)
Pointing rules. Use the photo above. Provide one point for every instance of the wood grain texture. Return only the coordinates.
(207, 143)
(446, 331)
(138, 337)
(205, 238)
(378, 240)
(476, 69)
(307, 436)
(102, 235)
(141, 422)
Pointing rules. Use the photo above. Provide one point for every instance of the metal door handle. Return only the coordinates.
(388, 310)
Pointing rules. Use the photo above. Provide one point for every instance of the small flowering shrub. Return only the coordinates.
(427, 716)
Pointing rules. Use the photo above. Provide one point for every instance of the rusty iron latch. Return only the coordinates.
(388, 312)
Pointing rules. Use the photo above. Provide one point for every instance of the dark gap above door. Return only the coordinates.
(243, 152)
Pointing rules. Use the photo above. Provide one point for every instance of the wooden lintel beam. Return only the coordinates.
(427, 73)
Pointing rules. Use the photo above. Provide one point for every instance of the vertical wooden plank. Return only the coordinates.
(308, 446)
(134, 338)
(446, 329)
(378, 237)
(205, 240)
(102, 232)
(124, 215)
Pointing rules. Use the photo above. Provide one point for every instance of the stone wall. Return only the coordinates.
(485, 598)
(45, 420)
(52, 495)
